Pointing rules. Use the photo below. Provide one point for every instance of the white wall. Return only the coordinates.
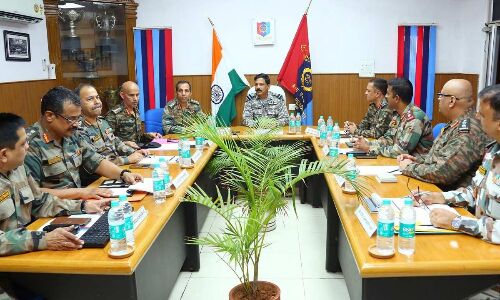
(341, 32)
(20, 70)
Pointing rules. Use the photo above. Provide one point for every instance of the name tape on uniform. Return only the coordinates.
(366, 220)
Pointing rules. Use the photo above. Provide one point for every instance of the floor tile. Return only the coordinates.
(179, 288)
(325, 289)
(208, 288)
(290, 289)
(211, 266)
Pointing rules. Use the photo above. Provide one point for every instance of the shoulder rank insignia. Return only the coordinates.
(4, 195)
(54, 160)
(96, 138)
(78, 151)
(464, 126)
(482, 170)
(409, 116)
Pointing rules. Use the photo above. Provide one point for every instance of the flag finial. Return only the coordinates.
(307, 10)
(210, 20)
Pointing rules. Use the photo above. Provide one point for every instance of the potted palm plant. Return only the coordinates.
(255, 173)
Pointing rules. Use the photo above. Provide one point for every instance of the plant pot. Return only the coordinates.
(265, 291)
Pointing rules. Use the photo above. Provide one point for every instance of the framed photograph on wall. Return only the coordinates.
(263, 31)
(17, 46)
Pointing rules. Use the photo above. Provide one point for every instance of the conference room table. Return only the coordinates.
(443, 267)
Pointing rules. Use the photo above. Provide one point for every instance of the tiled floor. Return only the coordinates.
(294, 261)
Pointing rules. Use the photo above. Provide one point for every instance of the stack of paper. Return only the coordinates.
(375, 170)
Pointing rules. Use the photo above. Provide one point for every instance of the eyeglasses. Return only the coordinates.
(70, 120)
(441, 95)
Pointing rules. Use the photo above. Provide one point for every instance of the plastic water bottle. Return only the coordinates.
(333, 145)
(116, 221)
(291, 123)
(385, 228)
(186, 153)
(406, 239)
(129, 224)
(298, 123)
(322, 135)
(199, 143)
(166, 175)
(179, 148)
(329, 126)
(158, 184)
(321, 121)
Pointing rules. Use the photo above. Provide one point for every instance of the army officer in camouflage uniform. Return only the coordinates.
(457, 152)
(21, 198)
(264, 103)
(57, 153)
(125, 119)
(379, 115)
(483, 193)
(178, 111)
(410, 130)
(97, 132)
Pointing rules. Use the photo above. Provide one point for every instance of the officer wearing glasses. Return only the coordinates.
(57, 153)
(457, 152)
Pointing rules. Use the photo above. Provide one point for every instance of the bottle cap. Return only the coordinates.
(156, 165)
(122, 197)
(386, 202)
(162, 159)
(408, 201)
(115, 203)
(350, 155)
(321, 117)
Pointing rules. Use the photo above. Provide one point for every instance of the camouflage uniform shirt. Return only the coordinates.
(20, 199)
(127, 126)
(272, 107)
(410, 133)
(483, 194)
(455, 155)
(376, 121)
(173, 119)
(102, 140)
(56, 166)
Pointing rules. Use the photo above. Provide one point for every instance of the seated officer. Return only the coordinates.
(457, 152)
(410, 130)
(56, 153)
(264, 103)
(125, 119)
(379, 115)
(179, 110)
(21, 198)
(483, 191)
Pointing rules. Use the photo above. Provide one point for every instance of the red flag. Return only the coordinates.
(295, 74)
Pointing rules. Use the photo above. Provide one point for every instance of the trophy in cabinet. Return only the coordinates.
(106, 22)
(71, 43)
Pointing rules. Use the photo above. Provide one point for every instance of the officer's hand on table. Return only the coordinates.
(135, 157)
(442, 218)
(361, 144)
(404, 163)
(132, 144)
(428, 197)
(406, 156)
(97, 206)
(94, 193)
(143, 152)
(155, 135)
(63, 239)
(131, 178)
(350, 126)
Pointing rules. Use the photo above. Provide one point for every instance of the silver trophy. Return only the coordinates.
(71, 16)
(105, 22)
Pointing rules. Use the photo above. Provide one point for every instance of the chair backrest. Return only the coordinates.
(152, 120)
(272, 88)
(437, 129)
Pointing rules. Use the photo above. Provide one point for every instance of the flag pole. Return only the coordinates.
(307, 10)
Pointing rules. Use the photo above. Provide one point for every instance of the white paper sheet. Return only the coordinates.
(153, 159)
(145, 186)
(374, 170)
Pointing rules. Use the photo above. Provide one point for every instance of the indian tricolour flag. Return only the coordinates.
(226, 84)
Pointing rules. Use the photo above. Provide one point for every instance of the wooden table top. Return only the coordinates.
(455, 254)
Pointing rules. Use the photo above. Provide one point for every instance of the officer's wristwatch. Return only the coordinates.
(82, 207)
(455, 223)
